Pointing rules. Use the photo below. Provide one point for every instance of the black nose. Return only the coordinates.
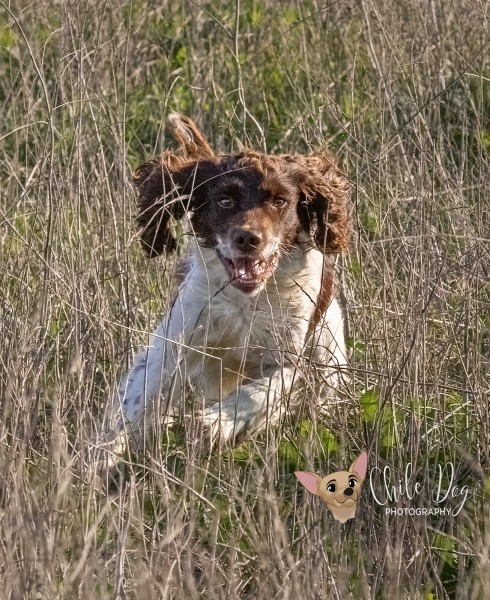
(348, 492)
(247, 239)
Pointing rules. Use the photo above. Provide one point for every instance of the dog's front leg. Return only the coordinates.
(132, 404)
(251, 407)
(150, 380)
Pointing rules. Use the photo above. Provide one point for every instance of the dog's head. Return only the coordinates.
(340, 491)
(250, 207)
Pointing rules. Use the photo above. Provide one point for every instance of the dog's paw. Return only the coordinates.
(220, 428)
(223, 425)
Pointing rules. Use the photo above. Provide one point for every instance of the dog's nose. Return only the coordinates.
(348, 492)
(247, 239)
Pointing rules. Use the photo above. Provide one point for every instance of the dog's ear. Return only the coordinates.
(167, 190)
(323, 208)
(359, 466)
(309, 480)
(165, 186)
(156, 183)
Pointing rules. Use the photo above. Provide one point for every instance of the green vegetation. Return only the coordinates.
(401, 91)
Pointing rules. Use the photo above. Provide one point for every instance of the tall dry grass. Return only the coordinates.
(401, 91)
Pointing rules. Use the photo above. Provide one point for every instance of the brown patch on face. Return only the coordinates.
(276, 187)
(282, 200)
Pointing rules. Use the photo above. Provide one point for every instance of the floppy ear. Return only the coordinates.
(309, 480)
(359, 466)
(165, 186)
(157, 183)
(323, 205)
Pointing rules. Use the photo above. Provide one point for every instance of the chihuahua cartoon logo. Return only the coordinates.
(340, 491)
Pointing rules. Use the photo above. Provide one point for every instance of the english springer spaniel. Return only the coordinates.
(256, 308)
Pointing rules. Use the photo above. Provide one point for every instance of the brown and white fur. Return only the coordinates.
(257, 303)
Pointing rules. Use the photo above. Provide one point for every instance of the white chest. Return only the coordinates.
(231, 335)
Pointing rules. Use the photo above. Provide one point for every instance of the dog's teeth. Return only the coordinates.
(247, 272)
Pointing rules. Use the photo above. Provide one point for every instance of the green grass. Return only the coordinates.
(401, 91)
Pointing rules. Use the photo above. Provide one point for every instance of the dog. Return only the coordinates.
(340, 491)
(256, 307)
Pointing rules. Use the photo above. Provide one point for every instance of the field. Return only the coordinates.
(401, 92)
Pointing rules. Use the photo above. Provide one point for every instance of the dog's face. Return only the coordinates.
(340, 491)
(248, 217)
(250, 207)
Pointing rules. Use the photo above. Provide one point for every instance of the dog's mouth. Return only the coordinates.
(341, 501)
(248, 274)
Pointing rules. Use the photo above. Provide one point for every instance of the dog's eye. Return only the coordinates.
(332, 487)
(278, 202)
(352, 483)
(225, 202)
